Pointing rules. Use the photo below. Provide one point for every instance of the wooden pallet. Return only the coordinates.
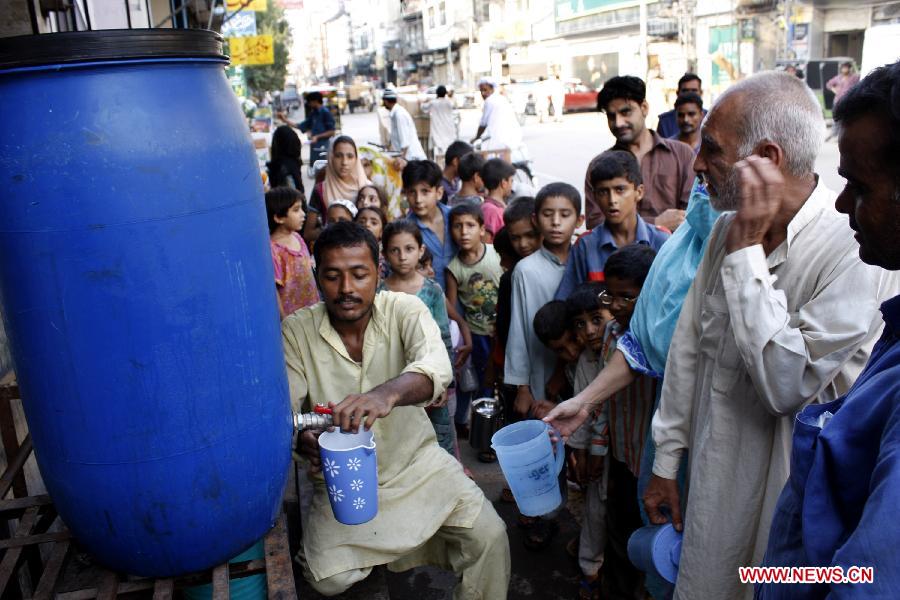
(27, 572)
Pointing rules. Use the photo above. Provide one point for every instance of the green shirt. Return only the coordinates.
(477, 287)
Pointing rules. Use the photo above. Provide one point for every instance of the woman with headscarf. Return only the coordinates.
(643, 349)
(285, 166)
(344, 175)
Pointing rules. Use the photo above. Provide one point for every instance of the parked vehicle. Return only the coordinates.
(579, 96)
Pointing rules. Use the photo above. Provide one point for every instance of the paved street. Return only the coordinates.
(561, 151)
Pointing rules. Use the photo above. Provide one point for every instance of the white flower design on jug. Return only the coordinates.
(356, 485)
(354, 464)
(359, 503)
(336, 494)
(331, 467)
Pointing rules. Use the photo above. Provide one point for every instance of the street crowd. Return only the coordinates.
(720, 349)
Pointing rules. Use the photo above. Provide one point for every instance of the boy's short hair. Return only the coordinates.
(400, 226)
(421, 171)
(551, 321)
(470, 165)
(689, 98)
(345, 234)
(495, 172)
(503, 244)
(457, 149)
(623, 87)
(557, 188)
(279, 200)
(631, 263)
(615, 163)
(585, 298)
(466, 208)
(520, 209)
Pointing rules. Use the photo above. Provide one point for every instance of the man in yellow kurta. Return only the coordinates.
(378, 359)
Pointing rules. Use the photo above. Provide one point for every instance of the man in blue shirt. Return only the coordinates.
(617, 185)
(668, 121)
(319, 126)
(839, 507)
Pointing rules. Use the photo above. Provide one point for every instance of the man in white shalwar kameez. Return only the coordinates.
(499, 126)
(782, 313)
(442, 128)
(378, 359)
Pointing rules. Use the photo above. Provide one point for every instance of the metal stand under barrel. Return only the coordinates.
(39, 559)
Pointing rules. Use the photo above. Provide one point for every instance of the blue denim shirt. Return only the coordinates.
(839, 506)
(442, 253)
(318, 121)
(588, 256)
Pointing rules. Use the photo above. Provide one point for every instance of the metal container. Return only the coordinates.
(487, 415)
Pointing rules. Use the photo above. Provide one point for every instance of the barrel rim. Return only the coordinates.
(75, 47)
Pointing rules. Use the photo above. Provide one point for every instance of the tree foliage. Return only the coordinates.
(262, 78)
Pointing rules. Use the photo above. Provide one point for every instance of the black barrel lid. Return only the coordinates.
(108, 45)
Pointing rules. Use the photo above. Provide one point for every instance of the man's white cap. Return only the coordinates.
(389, 94)
(487, 81)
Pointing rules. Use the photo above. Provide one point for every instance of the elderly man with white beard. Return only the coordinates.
(782, 313)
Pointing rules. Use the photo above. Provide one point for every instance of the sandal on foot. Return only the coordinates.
(487, 456)
(507, 496)
(541, 534)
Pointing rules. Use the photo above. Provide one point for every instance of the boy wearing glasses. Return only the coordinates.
(623, 423)
(615, 178)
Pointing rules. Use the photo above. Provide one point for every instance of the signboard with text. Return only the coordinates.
(252, 50)
(240, 24)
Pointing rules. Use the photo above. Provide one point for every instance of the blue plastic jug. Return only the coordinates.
(527, 460)
(350, 466)
(137, 288)
(656, 549)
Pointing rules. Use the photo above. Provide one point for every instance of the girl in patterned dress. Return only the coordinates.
(293, 265)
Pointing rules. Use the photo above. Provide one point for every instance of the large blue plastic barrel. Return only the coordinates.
(138, 294)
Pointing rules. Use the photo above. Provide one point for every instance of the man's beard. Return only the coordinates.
(726, 197)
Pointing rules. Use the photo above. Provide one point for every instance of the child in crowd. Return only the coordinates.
(551, 328)
(529, 364)
(471, 185)
(403, 247)
(373, 219)
(588, 317)
(312, 227)
(294, 279)
(473, 277)
(341, 210)
(615, 178)
(426, 264)
(450, 179)
(422, 187)
(371, 195)
(497, 175)
(517, 240)
(630, 412)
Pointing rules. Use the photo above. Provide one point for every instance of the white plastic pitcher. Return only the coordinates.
(527, 460)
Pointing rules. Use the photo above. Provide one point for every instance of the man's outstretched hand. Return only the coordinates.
(566, 417)
(663, 492)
